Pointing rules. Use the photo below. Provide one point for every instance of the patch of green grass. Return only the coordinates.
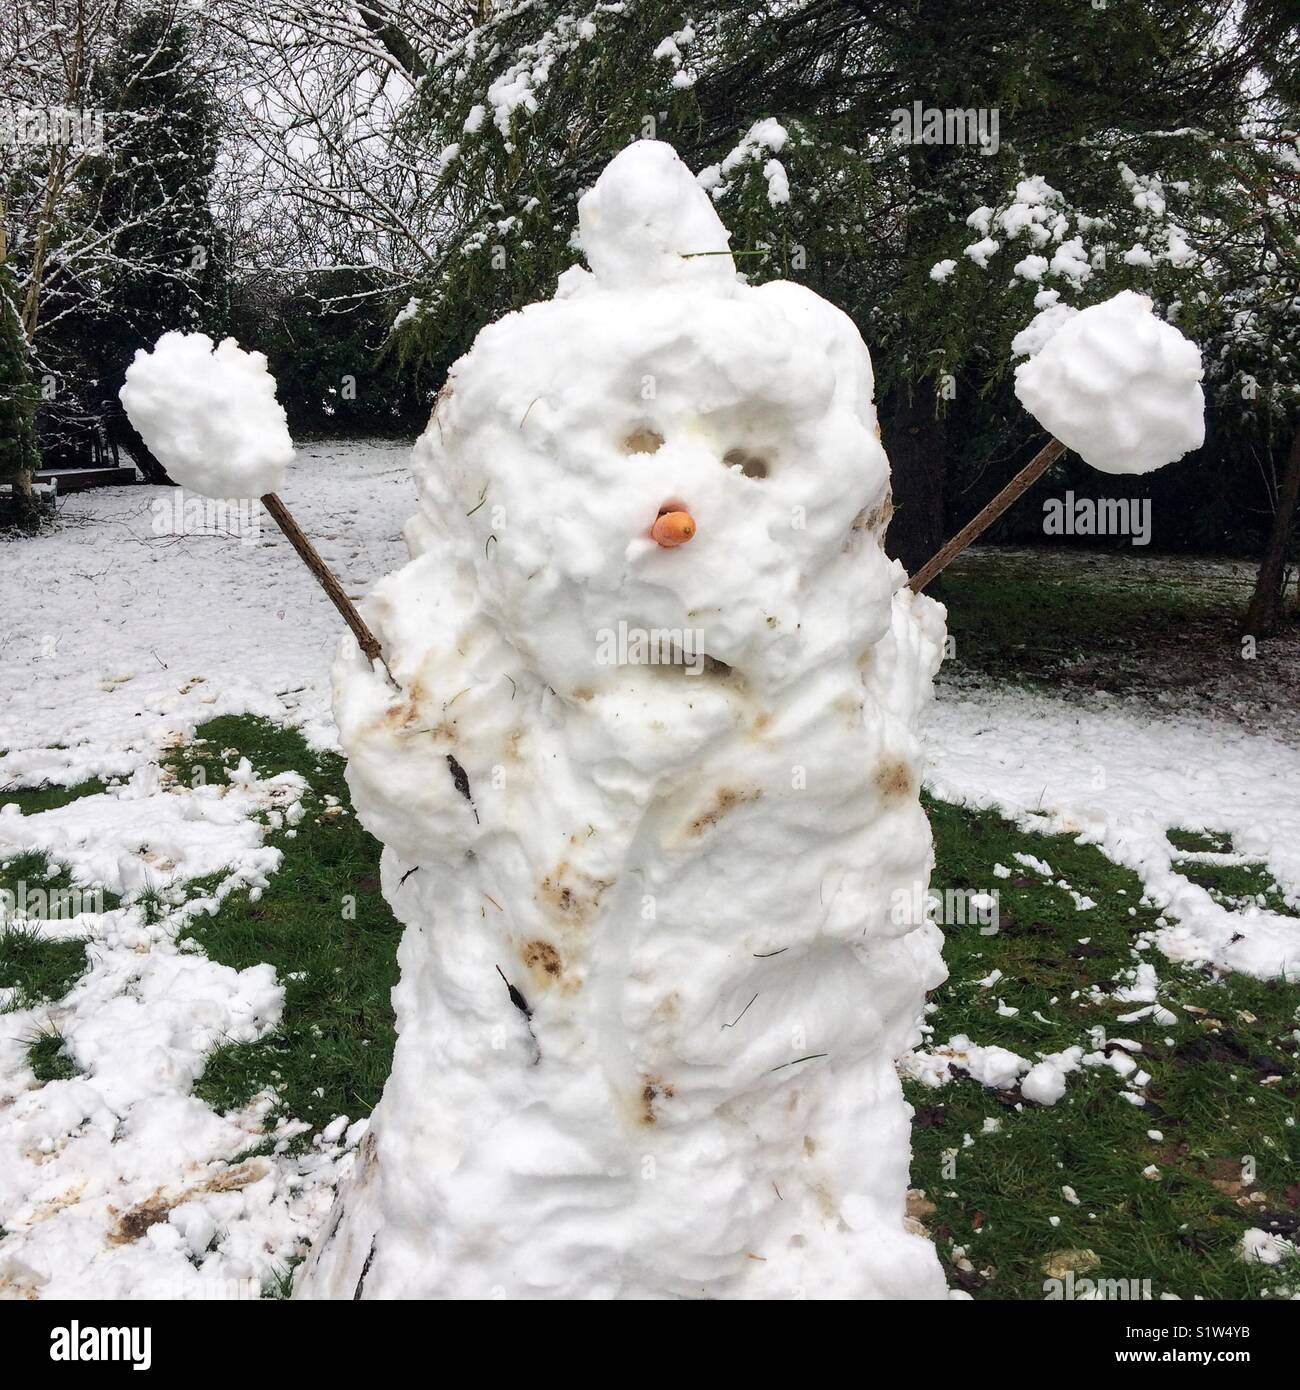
(32, 800)
(1234, 885)
(322, 923)
(152, 905)
(49, 1060)
(1083, 621)
(281, 1286)
(1012, 615)
(1224, 1084)
(31, 868)
(40, 969)
(1238, 885)
(1199, 841)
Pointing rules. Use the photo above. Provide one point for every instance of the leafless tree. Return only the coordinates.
(323, 171)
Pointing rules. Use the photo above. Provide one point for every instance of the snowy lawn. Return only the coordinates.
(1174, 1136)
(194, 1031)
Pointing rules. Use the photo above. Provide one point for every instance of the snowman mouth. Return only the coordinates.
(696, 665)
(670, 653)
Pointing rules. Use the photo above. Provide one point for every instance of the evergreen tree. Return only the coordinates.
(170, 255)
(323, 335)
(164, 265)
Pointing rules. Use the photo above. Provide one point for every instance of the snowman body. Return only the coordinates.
(650, 815)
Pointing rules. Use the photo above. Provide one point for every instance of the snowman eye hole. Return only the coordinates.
(751, 465)
(642, 440)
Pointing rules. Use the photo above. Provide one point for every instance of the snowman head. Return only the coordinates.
(662, 449)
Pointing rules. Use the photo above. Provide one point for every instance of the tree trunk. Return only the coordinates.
(914, 436)
(26, 514)
(1265, 610)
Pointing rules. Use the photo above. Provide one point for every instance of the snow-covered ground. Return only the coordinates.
(1114, 774)
(118, 636)
(120, 640)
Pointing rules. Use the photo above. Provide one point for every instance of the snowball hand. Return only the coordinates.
(210, 415)
(1114, 383)
(1119, 386)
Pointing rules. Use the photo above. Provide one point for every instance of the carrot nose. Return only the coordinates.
(673, 528)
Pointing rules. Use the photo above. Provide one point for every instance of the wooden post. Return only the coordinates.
(366, 639)
(1028, 475)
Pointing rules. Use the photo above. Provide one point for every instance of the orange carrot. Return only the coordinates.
(673, 528)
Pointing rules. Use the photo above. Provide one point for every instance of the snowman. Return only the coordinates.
(646, 778)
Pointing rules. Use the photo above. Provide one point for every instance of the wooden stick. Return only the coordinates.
(1028, 475)
(310, 557)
